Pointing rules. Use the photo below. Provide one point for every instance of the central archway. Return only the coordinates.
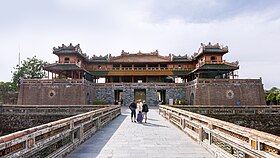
(140, 94)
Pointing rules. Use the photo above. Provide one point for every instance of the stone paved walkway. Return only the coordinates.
(123, 139)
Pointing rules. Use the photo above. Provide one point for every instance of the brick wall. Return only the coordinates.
(226, 92)
(55, 94)
(204, 92)
(11, 123)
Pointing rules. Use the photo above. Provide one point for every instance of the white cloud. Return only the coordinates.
(103, 27)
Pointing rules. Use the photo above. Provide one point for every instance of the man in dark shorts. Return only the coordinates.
(133, 107)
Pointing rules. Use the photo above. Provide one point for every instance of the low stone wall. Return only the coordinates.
(268, 123)
(19, 117)
(263, 118)
(13, 123)
(221, 138)
(56, 139)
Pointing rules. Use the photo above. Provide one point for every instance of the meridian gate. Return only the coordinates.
(206, 79)
(203, 78)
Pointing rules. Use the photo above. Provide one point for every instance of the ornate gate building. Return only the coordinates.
(204, 78)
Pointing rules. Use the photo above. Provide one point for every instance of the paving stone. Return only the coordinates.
(156, 138)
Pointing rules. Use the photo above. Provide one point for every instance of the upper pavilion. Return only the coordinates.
(208, 62)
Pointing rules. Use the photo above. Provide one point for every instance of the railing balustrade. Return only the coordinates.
(142, 69)
(34, 82)
(56, 139)
(222, 138)
(201, 63)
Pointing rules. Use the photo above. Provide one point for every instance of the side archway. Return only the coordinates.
(192, 99)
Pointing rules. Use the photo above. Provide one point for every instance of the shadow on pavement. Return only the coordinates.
(153, 125)
(153, 119)
(93, 146)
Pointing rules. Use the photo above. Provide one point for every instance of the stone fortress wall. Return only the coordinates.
(55, 92)
(197, 92)
(226, 92)
(106, 91)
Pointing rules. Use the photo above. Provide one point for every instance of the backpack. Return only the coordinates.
(145, 108)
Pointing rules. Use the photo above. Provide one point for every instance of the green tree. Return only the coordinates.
(272, 95)
(5, 89)
(31, 68)
(278, 98)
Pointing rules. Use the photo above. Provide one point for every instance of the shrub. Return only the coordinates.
(183, 102)
(99, 102)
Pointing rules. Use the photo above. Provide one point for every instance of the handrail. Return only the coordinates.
(201, 63)
(55, 81)
(215, 134)
(69, 63)
(142, 69)
(158, 84)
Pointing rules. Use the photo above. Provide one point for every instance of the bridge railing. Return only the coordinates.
(56, 139)
(222, 138)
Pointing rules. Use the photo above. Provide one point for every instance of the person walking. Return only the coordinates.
(133, 107)
(145, 110)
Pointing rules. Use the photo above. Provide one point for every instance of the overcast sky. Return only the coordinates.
(250, 28)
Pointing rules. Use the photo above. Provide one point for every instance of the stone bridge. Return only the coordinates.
(106, 131)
